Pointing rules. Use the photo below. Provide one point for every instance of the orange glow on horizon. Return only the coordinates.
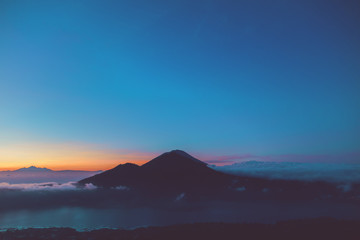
(68, 156)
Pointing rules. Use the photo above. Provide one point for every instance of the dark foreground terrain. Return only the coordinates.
(324, 228)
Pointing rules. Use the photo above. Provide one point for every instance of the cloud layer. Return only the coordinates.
(49, 186)
(332, 172)
(43, 177)
(291, 158)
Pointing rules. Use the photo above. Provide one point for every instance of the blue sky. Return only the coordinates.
(215, 77)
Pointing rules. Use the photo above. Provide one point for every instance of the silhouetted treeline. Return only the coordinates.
(324, 228)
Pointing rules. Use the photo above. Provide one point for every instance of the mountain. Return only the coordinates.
(171, 171)
(33, 169)
(177, 172)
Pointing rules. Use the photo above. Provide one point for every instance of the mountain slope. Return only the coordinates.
(122, 175)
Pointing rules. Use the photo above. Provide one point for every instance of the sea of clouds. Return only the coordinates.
(331, 172)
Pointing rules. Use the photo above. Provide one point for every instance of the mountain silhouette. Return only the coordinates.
(33, 169)
(172, 171)
(177, 172)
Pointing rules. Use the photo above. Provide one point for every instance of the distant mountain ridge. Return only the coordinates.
(33, 169)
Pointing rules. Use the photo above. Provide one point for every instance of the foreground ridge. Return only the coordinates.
(322, 228)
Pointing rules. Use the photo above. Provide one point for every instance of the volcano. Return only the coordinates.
(175, 170)
(178, 172)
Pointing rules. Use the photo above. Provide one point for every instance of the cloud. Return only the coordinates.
(345, 187)
(227, 159)
(90, 186)
(48, 186)
(125, 188)
(316, 158)
(180, 197)
(332, 172)
(240, 189)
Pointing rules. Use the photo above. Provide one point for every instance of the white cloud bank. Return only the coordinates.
(48, 186)
(331, 172)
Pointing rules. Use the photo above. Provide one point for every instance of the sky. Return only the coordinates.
(90, 84)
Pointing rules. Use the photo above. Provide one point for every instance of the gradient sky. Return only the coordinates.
(86, 84)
